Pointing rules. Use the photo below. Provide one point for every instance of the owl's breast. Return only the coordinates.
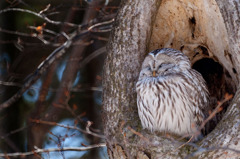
(164, 105)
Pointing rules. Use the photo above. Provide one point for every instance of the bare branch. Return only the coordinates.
(33, 35)
(106, 2)
(57, 53)
(137, 133)
(40, 37)
(93, 55)
(202, 150)
(14, 84)
(45, 9)
(98, 89)
(99, 24)
(42, 16)
(11, 84)
(18, 33)
(227, 97)
(40, 151)
(87, 131)
(46, 30)
(216, 110)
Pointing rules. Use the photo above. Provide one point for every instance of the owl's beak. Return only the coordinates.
(154, 73)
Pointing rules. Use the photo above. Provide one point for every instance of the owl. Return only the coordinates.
(171, 96)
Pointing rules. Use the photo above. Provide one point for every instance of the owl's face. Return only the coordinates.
(163, 62)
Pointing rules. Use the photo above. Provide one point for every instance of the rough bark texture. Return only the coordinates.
(230, 11)
(131, 38)
(187, 25)
(227, 132)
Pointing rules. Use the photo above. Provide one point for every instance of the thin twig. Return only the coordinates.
(44, 10)
(106, 2)
(138, 134)
(18, 33)
(179, 147)
(42, 16)
(11, 84)
(201, 150)
(15, 84)
(68, 127)
(227, 97)
(101, 23)
(89, 123)
(93, 55)
(45, 30)
(39, 151)
(57, 53)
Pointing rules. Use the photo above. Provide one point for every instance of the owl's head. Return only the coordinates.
(163, 62)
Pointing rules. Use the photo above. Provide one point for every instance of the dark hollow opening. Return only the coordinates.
(219, 83)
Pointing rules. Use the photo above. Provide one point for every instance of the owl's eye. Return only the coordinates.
(149, 68)
(163, 64)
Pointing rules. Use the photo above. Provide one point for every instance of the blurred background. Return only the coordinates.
(68, 90)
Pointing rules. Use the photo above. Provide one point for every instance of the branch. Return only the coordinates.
(201, 150)
(18, 33)
(43, 29)
(10, 84)
(57, 53)
(227, 97)
(137, 133)
(14, 84)
(42, 16)
(39, 151)
(100, 24)
(92, 56)
(87, 131)
(39, 37)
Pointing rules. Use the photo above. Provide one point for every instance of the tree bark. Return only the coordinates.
(128, 45)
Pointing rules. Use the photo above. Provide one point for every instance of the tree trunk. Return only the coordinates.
(212, 26)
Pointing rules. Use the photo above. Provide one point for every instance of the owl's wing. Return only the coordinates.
(201, 89)
(200, 97)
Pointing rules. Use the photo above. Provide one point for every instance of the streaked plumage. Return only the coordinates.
(175, 99)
